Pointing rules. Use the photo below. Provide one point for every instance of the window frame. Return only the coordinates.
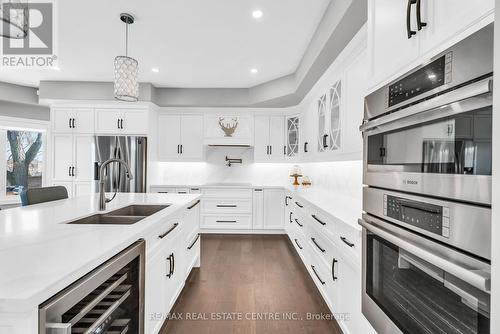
(22, 124)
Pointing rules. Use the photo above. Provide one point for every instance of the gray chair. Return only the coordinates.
(42, 195)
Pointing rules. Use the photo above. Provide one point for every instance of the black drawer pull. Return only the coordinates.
(347, 242)
(420, 24)
(297, 221)
(194, 242)
(316, 244)
(163, 192)
(226, 221)
(195, 189)
(257, 190)
(170, 259)
(319, 278)
(297, 243)
(333, 269)
(195, 204)
(299, 205)
(319, 221)
(227, 206)
(291, 213)
(161, 236)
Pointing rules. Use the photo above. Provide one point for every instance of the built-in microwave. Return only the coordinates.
(430, 131)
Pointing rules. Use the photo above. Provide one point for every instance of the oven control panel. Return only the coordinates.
(430, 217)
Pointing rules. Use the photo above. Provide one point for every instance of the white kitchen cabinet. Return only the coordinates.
(258, 209)
(329, 119)
(121, 121)
(292, 136)
(269, 138)
(157, 268)
(72, 120)
(307, 132)
(180, 137)
(448, 18)
(391, 49)
(274, 209)
(73, 162)
(261, 141)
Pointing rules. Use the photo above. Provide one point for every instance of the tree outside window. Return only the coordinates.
(24, 161)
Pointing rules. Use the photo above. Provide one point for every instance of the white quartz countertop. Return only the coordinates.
(218, 185)
(40, 254)
(345, 208)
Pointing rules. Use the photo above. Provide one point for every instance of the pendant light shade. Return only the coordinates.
(14, 19)
(126, 70)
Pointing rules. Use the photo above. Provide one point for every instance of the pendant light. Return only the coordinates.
(126, 69)
(14, 19)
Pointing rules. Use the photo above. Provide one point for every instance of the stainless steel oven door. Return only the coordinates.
(414, 285)
(438, 147)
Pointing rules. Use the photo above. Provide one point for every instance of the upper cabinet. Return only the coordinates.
(402, 31)
(180, 137)
(269, 138)
(121, 121)
(328, 109)
(69, 120)
(292, 136)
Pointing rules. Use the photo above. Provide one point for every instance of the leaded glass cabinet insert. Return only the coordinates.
(329, 132)
(292, 136)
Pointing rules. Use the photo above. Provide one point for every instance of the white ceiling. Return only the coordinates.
(194, 43)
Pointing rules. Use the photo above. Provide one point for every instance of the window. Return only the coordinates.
(25, 159)
(23, 146)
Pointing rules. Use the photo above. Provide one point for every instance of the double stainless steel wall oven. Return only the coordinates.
(427, 201)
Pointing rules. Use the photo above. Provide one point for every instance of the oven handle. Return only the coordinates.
(477, 278)
(436, 107)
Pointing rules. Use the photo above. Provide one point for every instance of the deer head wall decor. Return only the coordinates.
(228, 127)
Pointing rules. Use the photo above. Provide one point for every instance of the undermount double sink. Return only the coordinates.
(127, 215)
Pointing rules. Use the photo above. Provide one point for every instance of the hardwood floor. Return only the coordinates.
(247, 277)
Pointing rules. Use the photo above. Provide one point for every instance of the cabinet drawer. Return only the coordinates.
(324, 278)
(323, 223)
(299, 243)
(164, 233)
(213, 205)
(228, 193)
(349, 241)
(321, 246)
(297, 223)
(227, 222)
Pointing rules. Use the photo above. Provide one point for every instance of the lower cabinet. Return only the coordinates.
(174, 250)
(274, 209)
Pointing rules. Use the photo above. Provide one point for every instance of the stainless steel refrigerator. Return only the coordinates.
(129, 148)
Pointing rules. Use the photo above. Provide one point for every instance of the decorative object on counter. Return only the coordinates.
(126, 70)
(231, 161)
(296, 173)
(306, 181)
(228, 127)
(14, 17)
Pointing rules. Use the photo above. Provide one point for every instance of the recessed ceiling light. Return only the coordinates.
(257, 14)
(254, 71)
(155, 70)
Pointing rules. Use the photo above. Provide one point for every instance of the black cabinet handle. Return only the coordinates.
(69, 123)
(319, 221)
(420, 24)
(297, 243)
(163, 235)
(195, 189)
(182, 192)
(297, 221)
(284, 150)
(226, 221)
(195, 204)
(408, 18)
(118, 123)
(325, 145)
(270, 150)
(194, 242)
(286, 200)
(344, 239)
(226, 206)
(333, 269)
(173, 263)
(257, 190)
(305, 147)
(291, 217)
(72, 171)
(299, 205)
(178, 149)
(73, 123)
(170, 261)
(267, 149)
(316, 244)
(121, 124)
(69, 171)
(181, 148)
(319, 278)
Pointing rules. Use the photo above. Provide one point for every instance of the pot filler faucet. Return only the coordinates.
(102, 197)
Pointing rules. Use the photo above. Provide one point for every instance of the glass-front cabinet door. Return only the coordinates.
(292, 136)
(329, 122)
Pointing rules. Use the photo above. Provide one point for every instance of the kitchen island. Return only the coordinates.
(41, 254)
